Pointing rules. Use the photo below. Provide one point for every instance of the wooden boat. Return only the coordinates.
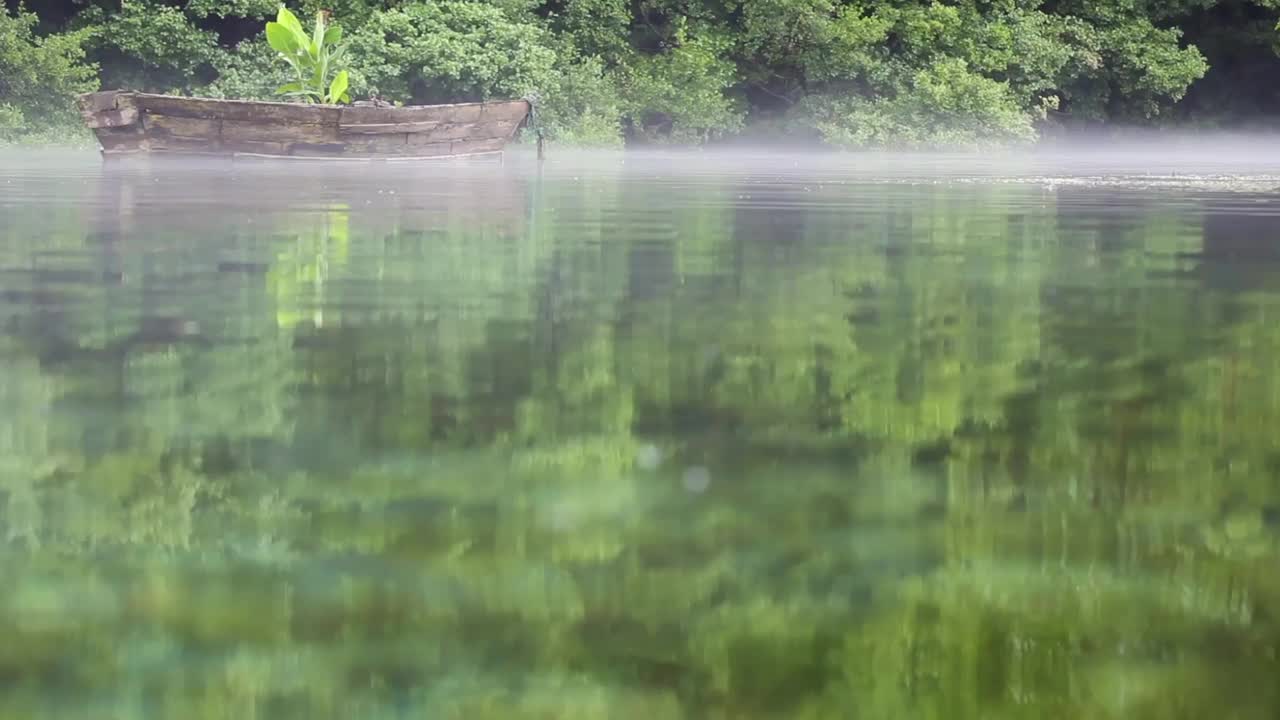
(130, 123)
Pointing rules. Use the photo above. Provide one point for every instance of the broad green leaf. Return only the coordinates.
(304, 44)
(313, 57)
(281, 39)
(346, 98)
(317, 36)
(338, 88)
(289, 20)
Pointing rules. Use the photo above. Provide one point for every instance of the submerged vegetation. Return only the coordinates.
(851, 73)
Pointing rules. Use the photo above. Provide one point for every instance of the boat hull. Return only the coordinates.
(133, 124)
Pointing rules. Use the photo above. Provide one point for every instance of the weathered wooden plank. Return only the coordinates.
(278, 131)
(352, 116)
(514, 112)
(165, 126)
(380, 147)
(388, 128)
(367, 120)
(127, 122)
(439, 149)
(394, 144)
(255, 147)
(462, 131)
(442, 149)
(316, 151)
(384, 146)
(336, 149)
(107, 110)
(125, 138)
(110, 118)
(443, 133)
(170, 143)
(471, 147)
(239, 110)
(98, 101)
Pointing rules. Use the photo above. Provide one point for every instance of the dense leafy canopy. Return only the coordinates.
(449, 51)
(38, 76)
(851, 72)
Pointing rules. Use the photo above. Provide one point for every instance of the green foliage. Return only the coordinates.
(582, 105)
(149, 46)
(946, 105)
(1145, 70)
(251, 70)
(873, 73)
(680, 95)
(697, 70)
(39, 79)
(231, 8)
(314, 59)
(597, 28)
(450, 51)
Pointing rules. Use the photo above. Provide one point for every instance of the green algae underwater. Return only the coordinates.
(762, 441)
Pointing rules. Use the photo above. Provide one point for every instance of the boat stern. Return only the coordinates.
(113, 117)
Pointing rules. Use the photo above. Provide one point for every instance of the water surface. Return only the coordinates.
(658, 437)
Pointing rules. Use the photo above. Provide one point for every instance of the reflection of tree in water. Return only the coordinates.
(1241, 252)
(432, 455)
(1234, 233)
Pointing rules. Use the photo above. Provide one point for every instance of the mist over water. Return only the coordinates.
(1134, 155)
(738, 433)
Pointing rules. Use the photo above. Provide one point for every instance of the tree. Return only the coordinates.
(39, 78)
(850, 73)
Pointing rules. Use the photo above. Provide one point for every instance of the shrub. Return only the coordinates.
(249, 71)
(680, 95)
(449, 51)
(149, 46)
(947, 105)
(582, 106)
(39, 79)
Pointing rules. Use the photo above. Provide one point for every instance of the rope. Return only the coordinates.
(534, 123)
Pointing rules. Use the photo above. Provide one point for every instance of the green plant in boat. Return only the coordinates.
(314, 58)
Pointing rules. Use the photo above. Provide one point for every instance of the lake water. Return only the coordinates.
(669, 436)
